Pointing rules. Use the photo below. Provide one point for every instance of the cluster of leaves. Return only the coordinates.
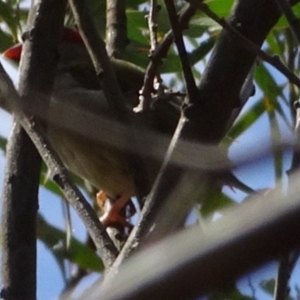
(275, 94)
(12, 18)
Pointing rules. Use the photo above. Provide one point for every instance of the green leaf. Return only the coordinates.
(207, 23)
(202, 50)
(136, 22)
(6, 40)
(135, 3)
(3, 142)
(171, 64)
(163, 21)
(246, 120)
(137, 54)
(49, 184)
(268, 286)
(273, 92)
(78, 252)
(283, 23)
(194, 30)
(198, 25)
(7, 16)
(98, 11)
(275, 44)
(229, 294)
(220, 7)
(267, 83)
(215, 201)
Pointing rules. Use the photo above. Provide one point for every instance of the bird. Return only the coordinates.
(77, 95)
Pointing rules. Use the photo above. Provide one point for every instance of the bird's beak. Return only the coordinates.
(13, 53)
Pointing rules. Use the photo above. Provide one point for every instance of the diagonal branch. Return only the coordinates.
(96, 48)
(157, 57)
(193, 263)
(111, 89)
(72, 193)
(274, 61)
(177, 35)
(229, 65)
(204, 122)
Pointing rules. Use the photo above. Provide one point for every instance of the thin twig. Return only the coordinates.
(96, 48)
(72, 284)
(272, 60)
(152, 24)
(177, 35)
(157, 57)
(281, 285)
(252, 288)
(60, 174)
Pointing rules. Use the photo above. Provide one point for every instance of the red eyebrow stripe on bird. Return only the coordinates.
(68, 35)
(14, 52)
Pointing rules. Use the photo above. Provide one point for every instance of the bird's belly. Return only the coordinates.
(103, 167)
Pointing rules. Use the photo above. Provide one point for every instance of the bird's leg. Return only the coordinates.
(112, 209)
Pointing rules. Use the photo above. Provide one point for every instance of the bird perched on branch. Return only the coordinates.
(82, 130)
(80, 125)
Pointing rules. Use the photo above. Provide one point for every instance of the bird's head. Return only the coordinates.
(74, 58)
(70, 38)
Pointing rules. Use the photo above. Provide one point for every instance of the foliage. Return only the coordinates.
(273, 102)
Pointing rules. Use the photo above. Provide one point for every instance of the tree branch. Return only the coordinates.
(207, 121)
(274, 61)
(219, 90)
(111, 89)
(156, 59)
(71, 192)
(96, 48)
(152, 24)
(116, 27)
(21, 182)
(177, 35)
(291, 17)
(245, 234)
